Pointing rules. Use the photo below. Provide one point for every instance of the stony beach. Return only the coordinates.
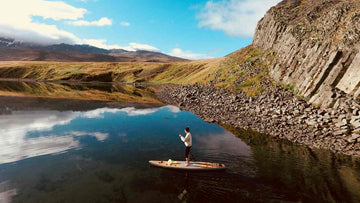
(276, 112)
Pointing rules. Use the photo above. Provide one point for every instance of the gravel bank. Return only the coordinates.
(276, 112)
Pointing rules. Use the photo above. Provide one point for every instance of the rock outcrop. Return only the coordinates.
(316, 46)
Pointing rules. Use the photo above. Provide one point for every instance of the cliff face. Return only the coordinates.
(315, 44)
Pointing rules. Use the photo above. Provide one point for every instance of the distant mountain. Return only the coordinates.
(10, 50)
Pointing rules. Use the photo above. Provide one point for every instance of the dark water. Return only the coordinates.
(101, 153)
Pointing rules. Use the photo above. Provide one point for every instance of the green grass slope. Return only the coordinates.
(241, 70)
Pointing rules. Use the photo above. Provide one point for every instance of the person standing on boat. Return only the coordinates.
(188, 143)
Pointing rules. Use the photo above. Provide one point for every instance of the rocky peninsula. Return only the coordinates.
(276, 112)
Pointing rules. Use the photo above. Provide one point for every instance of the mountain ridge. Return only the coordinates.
(11, 50)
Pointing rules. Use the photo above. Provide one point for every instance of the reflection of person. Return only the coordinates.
(183, 196)
(188, 143)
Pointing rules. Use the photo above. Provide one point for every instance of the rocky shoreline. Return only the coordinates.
(276, 112)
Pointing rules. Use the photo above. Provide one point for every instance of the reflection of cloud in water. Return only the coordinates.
(173, 109)
(6, 193)
(25, 148)
(15, 145)
(130, 111)
(122, 134)
(223, 143)
(99, 136)
(5, 197)
(98, 113)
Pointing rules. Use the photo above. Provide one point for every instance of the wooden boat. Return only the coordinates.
(193, 165)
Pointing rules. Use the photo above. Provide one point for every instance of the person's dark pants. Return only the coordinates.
(187, 152)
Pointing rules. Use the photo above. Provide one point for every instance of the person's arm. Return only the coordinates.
(183, 138)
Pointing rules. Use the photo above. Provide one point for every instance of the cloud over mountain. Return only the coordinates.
(102, 43)
(16, 21)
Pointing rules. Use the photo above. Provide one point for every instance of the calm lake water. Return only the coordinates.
(54, 150)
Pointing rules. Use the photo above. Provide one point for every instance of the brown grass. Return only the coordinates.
(232, 71)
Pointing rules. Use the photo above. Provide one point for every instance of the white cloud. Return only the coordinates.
(135, 46)
(101, 22)
(234, 17)
(86, 1)
(101, 43)
(187, 54)
(16, 20)
(126, 24)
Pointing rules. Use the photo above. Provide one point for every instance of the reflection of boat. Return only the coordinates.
(194, 165)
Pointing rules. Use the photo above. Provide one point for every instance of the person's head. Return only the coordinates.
(187, 129)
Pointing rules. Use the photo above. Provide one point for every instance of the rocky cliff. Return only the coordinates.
(316, 46)
(310, 47)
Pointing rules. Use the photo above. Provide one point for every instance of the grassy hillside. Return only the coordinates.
(243, 69)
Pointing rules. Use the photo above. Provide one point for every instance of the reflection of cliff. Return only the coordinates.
(102, 92)
(351, 181)
(312, 175)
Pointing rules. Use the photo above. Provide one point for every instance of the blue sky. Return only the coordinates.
(164, 24)
(191, 29)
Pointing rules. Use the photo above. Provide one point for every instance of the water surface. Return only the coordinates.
(99, 152)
